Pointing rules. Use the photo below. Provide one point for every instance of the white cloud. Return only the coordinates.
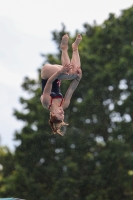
(40, 17)
(9, 78)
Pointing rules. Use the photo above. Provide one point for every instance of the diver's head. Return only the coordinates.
(58, 114)
(57, 121)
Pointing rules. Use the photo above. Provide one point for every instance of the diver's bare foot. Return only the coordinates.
(76, 43)
(64, 42)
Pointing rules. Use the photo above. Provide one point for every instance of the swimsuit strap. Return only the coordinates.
(50, 103)
(55, 98)
(61, 102)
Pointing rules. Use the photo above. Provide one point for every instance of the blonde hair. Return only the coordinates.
(56, 125)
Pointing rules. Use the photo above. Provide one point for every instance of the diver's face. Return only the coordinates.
(59, 113)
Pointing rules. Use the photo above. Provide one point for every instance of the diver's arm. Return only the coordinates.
(70, 92)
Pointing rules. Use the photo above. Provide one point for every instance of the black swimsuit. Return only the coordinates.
(55, 92)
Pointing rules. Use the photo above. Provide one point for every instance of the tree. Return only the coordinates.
(94, 160)
(7, 168)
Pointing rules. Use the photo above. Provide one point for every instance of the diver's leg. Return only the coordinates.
(64, 48)
(48, 70)
(75, 61)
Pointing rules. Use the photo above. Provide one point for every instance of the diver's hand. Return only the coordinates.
(79, 73)
(65, 69)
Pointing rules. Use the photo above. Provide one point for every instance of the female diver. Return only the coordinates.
(52, 75)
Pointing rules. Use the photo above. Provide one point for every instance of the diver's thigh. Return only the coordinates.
(48, 70)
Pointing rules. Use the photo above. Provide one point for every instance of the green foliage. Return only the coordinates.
(94, 159)
(7, 168)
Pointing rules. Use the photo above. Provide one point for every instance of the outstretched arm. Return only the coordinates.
(45, 98)
(71, 90)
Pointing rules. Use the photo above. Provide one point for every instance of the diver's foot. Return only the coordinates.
(64, 42)
(76, 43)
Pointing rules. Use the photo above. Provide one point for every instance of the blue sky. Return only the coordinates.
(25, 32)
